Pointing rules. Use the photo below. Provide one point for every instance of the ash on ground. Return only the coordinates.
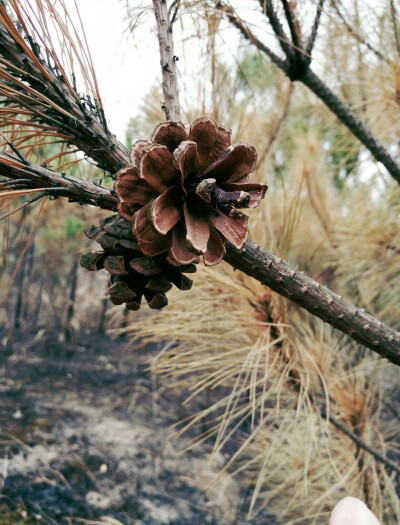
(86, 438)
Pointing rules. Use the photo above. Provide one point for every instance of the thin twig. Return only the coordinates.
(371, 450)
(173, 17)
(292, 23)
(283, 39)
(314, 30)
(25, 204)
(237, 22)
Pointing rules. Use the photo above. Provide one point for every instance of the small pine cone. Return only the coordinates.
(132, 274)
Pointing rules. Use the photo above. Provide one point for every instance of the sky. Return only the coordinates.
(127, 64)
(125, 67)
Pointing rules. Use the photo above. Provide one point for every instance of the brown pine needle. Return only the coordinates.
(19, 193)
(22, 206)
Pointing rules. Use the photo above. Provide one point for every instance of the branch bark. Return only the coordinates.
(168, 61)
(271, 271)
(76, 190)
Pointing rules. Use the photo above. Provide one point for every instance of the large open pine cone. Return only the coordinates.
(132, 274)
(183, 189)
(177, 199)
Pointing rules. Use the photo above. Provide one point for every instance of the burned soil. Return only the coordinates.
(86, 438)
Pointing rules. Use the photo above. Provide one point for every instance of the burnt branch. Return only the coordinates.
(271, 271)
(283, 39)
(168, 60)
(42, 91)
(76, 190)
(292, 23)
(352, 122)
(314, 30)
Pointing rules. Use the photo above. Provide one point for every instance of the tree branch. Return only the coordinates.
(304, 74)
(314, 30)
(353, 123)
(76, 190)
(271, 271)
(168, 61)
(293, 24)
(254, 260)
(234, 20)
(283, 39)
(48, 100)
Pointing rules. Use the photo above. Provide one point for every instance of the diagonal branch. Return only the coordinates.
(361, 443)
(254, 260)
(271, 271)
(235, 20)
(353, 123)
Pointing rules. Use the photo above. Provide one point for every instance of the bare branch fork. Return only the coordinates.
(296, 66)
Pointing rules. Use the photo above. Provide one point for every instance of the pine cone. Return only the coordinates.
(183, 189)
(132, 274)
